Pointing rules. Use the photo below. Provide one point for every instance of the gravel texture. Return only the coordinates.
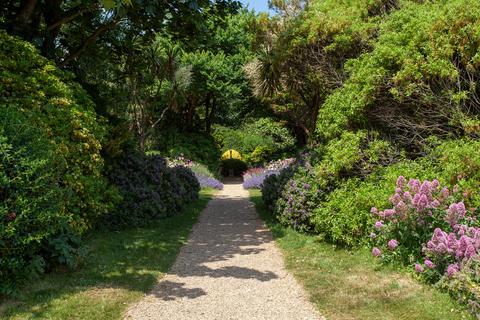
(229, 269)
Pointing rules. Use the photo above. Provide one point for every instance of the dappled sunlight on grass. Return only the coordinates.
(350, 284)
(120, 268)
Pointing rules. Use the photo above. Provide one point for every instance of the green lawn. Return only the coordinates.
(347, 284)
(121, 268)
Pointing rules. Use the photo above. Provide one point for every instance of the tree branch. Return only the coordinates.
(70, 15)
(100, 30)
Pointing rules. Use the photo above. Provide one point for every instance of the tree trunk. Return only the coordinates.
(190, 112)
(207, 110)
(21, 25)
(53, 13)
(209, 118)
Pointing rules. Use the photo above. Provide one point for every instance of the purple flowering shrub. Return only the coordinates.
(298, 198)
(205, 178)
(430, 227)
(253, 178)
(208, 182)
(149, 189)
(273, 186)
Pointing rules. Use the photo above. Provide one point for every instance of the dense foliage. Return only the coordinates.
(372, 90)
(258, 142)
(392, 88)
(150, 189)
(52, 187)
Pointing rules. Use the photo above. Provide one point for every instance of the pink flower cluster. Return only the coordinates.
(458, 246)
(280, 164)
(422, 197)
(425, 208)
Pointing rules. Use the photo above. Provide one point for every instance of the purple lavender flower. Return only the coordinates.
(393, 244)
(254, 178)
(376, 252)
(208, 182)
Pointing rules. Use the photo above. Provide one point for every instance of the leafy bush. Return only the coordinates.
(418, 80)
(184, 183)
(50, 100)
(150, 189)
(199, 148)
(273, 185)
(51, 184)
(258, 141)
(292, 194)
(344, 215)
(458, 161)
(31, 211)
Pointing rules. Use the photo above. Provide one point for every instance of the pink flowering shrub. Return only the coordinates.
(427, 223)
(430, 228)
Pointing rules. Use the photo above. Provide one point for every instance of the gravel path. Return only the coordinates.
(229, 269)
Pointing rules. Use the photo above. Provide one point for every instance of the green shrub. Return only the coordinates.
(259, 141)
(344, 217)
(419, 78)
(50, 100)
(51, 182)
(31, 207)
(198, 147)
(458, 161)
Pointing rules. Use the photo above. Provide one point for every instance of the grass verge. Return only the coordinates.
(122, 266)
(349, 284)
